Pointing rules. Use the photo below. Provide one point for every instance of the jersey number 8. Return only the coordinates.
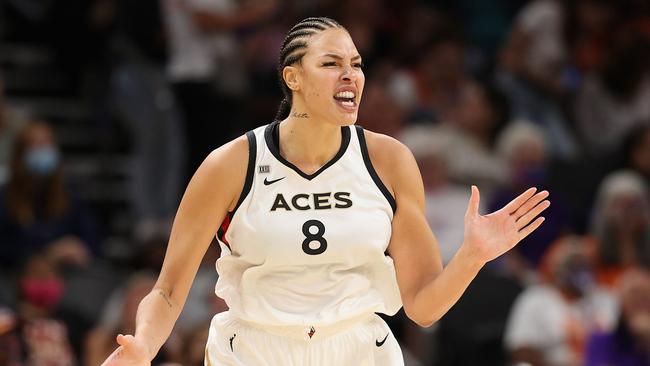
(309, 237)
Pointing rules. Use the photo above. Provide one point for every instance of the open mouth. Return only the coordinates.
(346, 99)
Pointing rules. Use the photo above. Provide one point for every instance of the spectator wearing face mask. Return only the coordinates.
(549, 321)
(44, 338)
(37, 210)
(629, 343)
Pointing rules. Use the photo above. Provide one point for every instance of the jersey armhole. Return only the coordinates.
(371, 169)
(248, 183)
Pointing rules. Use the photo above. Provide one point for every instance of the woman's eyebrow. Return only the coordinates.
(338, 57)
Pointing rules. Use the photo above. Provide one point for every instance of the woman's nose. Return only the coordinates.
(348, 74)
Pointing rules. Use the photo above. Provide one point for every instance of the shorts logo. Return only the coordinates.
(231, 339)
(379, 344)
(311, 332)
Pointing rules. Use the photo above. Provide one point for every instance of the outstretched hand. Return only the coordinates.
(489, 236)
(131, 352)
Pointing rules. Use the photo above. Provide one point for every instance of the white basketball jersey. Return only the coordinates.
(308, 248)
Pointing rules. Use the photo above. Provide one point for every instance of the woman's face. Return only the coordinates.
(41, 155)
(628, 212)
(329, 79)
(40, 136)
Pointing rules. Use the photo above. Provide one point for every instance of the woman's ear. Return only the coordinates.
(291, 77)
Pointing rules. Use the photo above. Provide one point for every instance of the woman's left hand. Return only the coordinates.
(489, 236)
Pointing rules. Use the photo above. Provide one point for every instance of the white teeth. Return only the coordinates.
(345, 94)
(348, 104)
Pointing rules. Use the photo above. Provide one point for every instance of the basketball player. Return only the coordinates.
(321, 224)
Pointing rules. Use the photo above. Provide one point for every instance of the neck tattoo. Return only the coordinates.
(300, 115)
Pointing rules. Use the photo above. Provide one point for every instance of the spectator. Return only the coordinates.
(45, 338)
(431, 90)
(613, 101)
(524, 149)
(549, 321)
(380, 112)
(532, 71)
(590, 27)
(471, 131)
(629, 343)
(446, 201)
(37, 210)
(142, 100)
(203, 49)
(621, 224)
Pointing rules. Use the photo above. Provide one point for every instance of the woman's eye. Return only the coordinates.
(359, 65)
(331, 63)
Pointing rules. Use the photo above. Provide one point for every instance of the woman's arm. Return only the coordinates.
(212, 192)
(427, 290)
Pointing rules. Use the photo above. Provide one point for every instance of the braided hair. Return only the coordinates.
(293, 49)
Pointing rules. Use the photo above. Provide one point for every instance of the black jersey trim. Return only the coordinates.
(223, 228)
(252, 155)
(248, 183)
(271, 135)
(371, 169)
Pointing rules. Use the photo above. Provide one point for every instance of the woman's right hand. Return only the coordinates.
(131, 352)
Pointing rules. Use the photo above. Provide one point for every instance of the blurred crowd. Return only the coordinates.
(504, 94)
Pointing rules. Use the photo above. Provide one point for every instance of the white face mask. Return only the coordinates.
(42, 161)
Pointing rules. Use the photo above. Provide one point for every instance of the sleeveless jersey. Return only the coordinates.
(308, 249)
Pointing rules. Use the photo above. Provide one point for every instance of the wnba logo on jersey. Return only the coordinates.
(315, 201)
(263, 169)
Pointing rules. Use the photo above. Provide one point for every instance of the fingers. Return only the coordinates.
(474, 201)
(513, 205)
(131, 349)
(126, 341)
(530, 228)
(530, 204)
(530, 215)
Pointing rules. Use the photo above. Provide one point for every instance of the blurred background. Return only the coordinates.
(108, 106)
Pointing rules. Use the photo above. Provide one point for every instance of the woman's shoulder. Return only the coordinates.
(228, 165)
(230, 155)
(384, 149)
(392, 160)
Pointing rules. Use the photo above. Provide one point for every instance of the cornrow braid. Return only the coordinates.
(293, 49)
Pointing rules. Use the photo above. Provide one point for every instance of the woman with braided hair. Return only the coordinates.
(321, 225)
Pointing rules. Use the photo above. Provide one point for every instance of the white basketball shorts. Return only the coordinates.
(361, 341)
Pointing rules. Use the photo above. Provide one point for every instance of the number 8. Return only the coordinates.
(309, 237)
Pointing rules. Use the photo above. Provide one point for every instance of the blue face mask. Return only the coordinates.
(42, 161)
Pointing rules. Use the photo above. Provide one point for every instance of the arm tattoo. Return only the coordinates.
(165, 297)
(300, 115)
